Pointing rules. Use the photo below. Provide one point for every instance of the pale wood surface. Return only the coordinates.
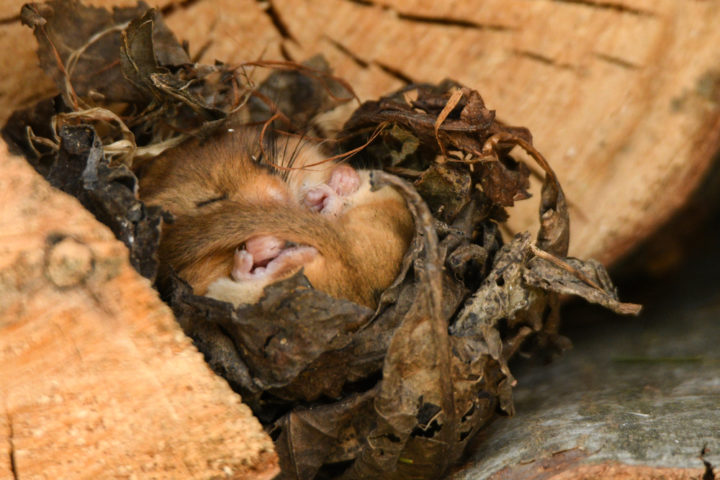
(622, 100)
(622, 96)
(98, 380)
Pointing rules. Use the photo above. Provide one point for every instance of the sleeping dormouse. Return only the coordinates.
(243, 221)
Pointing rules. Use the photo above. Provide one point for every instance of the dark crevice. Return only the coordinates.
(286, 53)
(394, 72)
(11, 435)
(618, 7)
(709, 473)
(269, 8)
(201, 51)
(444, 21)
(10, 20)
(169, 9)
(617, 61)
(269, 339)
(346, 51)
(454, 22)
(543, 59)
(464, 435)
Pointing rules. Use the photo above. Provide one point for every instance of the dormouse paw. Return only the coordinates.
(330, 198)
(266, 257)
(321, 198)
(258, 252)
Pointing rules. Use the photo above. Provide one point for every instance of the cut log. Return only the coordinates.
(622, 97)
(634, 399)
(98, 380)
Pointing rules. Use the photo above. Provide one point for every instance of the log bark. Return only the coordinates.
(623, 98)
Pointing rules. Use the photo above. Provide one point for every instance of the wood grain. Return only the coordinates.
(98, 380)
(621, 96)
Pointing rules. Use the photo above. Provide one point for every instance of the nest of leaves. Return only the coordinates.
(344, 391)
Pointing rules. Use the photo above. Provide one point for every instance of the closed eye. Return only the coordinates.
(202, 203)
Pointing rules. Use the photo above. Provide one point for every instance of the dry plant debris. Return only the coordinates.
(345, 392)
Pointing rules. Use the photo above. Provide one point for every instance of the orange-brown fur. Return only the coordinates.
(359, 251)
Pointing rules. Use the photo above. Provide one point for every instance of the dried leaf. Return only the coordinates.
(504, 185)
(79, 46)
(109, 192)
(446, 189)
(416, 372)
(586, 279)
(308, 438)
(443, 121)
(300, 92)
(345, 391)
(137, 54)
(177, 91)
